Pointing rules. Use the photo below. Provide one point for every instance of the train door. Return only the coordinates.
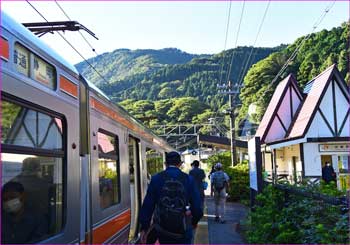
(135, 186)
(110, 214)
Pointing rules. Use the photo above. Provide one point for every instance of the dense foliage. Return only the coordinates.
(296, 220)
(239, 176)
(158, 76)
(166, 111)
(321, 50)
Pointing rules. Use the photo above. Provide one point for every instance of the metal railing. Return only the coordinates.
(339, 201)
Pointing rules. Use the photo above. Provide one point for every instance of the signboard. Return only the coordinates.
(44, 73)
(334, 147)
(252, 164)
(21, 59)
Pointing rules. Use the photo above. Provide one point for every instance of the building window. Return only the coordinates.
(32, 154)
(108, 160)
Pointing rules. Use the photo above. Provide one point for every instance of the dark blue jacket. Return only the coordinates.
(198, 175)
(153, 193)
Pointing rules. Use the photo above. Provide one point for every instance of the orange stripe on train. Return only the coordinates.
(111, 227)
(68, 87)
(111, 113)
(117, 117)
(4, 48)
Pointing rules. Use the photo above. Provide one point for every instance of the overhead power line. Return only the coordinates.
(246, 66)
(297, 49)
(81, 34)
(236, 41)
(71, 45)
(235, 45)
(226, 35)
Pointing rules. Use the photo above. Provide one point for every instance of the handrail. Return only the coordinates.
(339, 201)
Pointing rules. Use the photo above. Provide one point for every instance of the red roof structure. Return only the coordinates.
(280, 112)
(271, 108)
(309, 107)
(328, 90)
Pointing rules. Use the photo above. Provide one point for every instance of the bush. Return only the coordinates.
(300, 220)
(239, 183)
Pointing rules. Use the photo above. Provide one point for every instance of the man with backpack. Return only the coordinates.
(174, 202)
(219, 184)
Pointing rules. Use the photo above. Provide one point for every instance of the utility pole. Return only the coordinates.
(231, 90)
(232, 125)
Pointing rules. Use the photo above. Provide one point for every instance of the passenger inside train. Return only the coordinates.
(19, 223)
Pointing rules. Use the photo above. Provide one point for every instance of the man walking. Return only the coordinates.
(174, 202)
(198, 175)
(219, 185)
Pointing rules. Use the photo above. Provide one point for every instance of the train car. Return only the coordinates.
(74, 166)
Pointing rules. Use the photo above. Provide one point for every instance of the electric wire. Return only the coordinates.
(236, 41)
(93, 49)
(71, 45)
(235, 45)
(223, 52)
(240, 79)
(297, 49)
(81, 34)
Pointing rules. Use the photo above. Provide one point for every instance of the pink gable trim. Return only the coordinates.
(310, 104)
(282, 93)
(276, 97)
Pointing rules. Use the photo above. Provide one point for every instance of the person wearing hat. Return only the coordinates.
(219, 184)
(173, 201)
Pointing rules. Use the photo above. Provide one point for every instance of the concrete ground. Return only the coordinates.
(211, 232)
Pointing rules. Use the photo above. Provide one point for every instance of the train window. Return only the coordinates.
(44, 72)
(21, 59)
(108, 159)
(22, 126)
(32, 183)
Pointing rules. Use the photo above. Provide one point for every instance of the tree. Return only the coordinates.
(184, 109)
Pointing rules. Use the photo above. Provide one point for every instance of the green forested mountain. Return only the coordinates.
(122, 63)
(321, 50)
(169, 86)
(146, 79)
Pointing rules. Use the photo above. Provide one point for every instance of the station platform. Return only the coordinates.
(211, 232)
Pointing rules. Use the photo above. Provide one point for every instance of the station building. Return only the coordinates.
(302, 130)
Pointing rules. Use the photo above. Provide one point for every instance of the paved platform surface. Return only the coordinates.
(211, 232)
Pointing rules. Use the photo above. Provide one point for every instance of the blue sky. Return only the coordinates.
(194, 27)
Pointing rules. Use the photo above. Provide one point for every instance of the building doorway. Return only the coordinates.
(326, 158)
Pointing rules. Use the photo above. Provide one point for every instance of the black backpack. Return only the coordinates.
(169, 217)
